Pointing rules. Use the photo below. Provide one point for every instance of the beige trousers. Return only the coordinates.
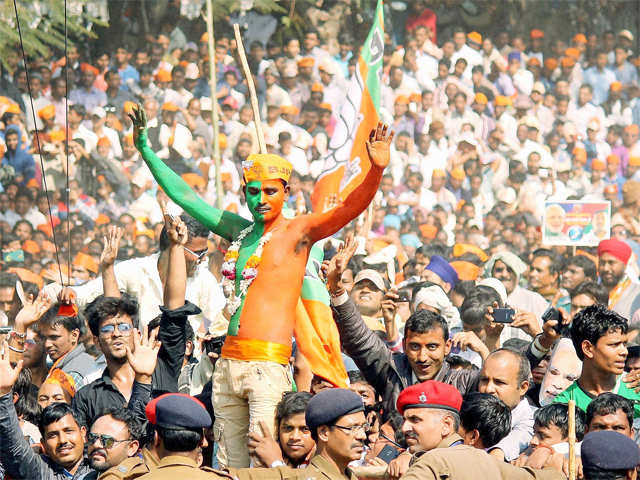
(244, 393)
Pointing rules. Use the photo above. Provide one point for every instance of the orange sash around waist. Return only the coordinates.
(255, 350)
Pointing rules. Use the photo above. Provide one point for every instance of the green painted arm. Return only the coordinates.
(220, 222)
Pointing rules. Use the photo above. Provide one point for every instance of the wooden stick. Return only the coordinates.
(572, 440)
(214, 105)
(252, 89)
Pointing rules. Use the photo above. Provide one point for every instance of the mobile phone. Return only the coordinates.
(552, 313)
(503, 315)
(404, 296)
(388, 453)
(5, 330)
(215, 344)
(13, 256)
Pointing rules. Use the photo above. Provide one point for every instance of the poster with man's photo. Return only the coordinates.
(576, 223)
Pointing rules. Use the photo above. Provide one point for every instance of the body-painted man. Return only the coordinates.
(252, 374)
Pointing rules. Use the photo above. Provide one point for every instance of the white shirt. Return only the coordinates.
(139, 277)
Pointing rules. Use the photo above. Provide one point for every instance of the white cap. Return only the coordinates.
(205, 104)
(98, 112)
(290, 70)
(563, 167)
(497, 286)
(539, 87)
(328, 66)
(507, 195)
(191, 72)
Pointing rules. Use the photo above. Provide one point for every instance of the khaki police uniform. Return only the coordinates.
(318, 469)
(175, 467)
(132, 467)
(462, 462)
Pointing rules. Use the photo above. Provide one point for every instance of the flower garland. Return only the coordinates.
(249, 272)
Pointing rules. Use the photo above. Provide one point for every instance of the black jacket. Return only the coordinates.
(97, 397)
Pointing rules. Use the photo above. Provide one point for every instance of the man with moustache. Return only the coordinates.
(624, 295)
(431, 413)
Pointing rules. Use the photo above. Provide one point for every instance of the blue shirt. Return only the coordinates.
(127, 73)
(600, 82)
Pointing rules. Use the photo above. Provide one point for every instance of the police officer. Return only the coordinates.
(179, 421)
(607, 454)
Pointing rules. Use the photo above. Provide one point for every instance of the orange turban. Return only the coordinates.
(169, 107)
(613, 159)
(27, 275)
(458, 173)
(428, 231)
(536, 33)
(47, 112)
(317, 87)
(30, 246)
(33, 183)
(481, 99)
(46, 229)
(633, 129)
(438, 172)
(634, 161)
(58, 377)
(128, 106)
(325, 106)
(194, 180)
(259, 167)
(534, 62)
(225, 177)
(615, 86)
(598, 165)
(85, 67)
(579, 38)
(102, 219)
(86, 261)
(290, 110)
(56, 136)
(551, 63)
(306, 62)
(466, 270)
(402, 99)
(580, 154)
(502, 101)
(222, 141)
(13, 108)
(104, 142)
(475, 37)
(163, 76)
(572, 52)
(460, 249)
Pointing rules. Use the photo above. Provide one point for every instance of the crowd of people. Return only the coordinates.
(462, 333)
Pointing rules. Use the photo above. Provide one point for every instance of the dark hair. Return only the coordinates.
(474, 307)
(586, 264)
(27, 404)
(183, 440)
(53, 413)
(78, 108)
(594, 290)
(128, 417)
(487, 414)
(51, 318)
(194, 227)
(558, 414)
(555, 262)
(608, 404)
(356, 376)
(103, 308)
(8, 280)
(424, 321)
(524, 368)
(594, 322)
(292, 403)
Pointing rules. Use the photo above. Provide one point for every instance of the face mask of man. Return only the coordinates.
(564, 369)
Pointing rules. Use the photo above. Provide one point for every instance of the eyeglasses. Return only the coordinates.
(199, 255)
(123, 328)
(353, 429)
(107, 441)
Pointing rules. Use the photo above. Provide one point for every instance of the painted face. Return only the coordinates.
(265, 199)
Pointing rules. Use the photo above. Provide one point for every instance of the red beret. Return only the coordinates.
(430, 394)
(151, 408)
(615, 247)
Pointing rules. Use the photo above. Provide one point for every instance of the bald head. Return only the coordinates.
(505, 375)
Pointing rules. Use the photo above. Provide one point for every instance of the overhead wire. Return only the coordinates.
(33, 113)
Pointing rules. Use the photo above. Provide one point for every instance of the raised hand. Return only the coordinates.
(378, 145)
(176, 228)
(111, 245)
(143, 357)
(139, 119)
(32, 311)
(338, 263)
(8, 373)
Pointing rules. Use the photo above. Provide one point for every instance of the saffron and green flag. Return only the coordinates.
(346, 162)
